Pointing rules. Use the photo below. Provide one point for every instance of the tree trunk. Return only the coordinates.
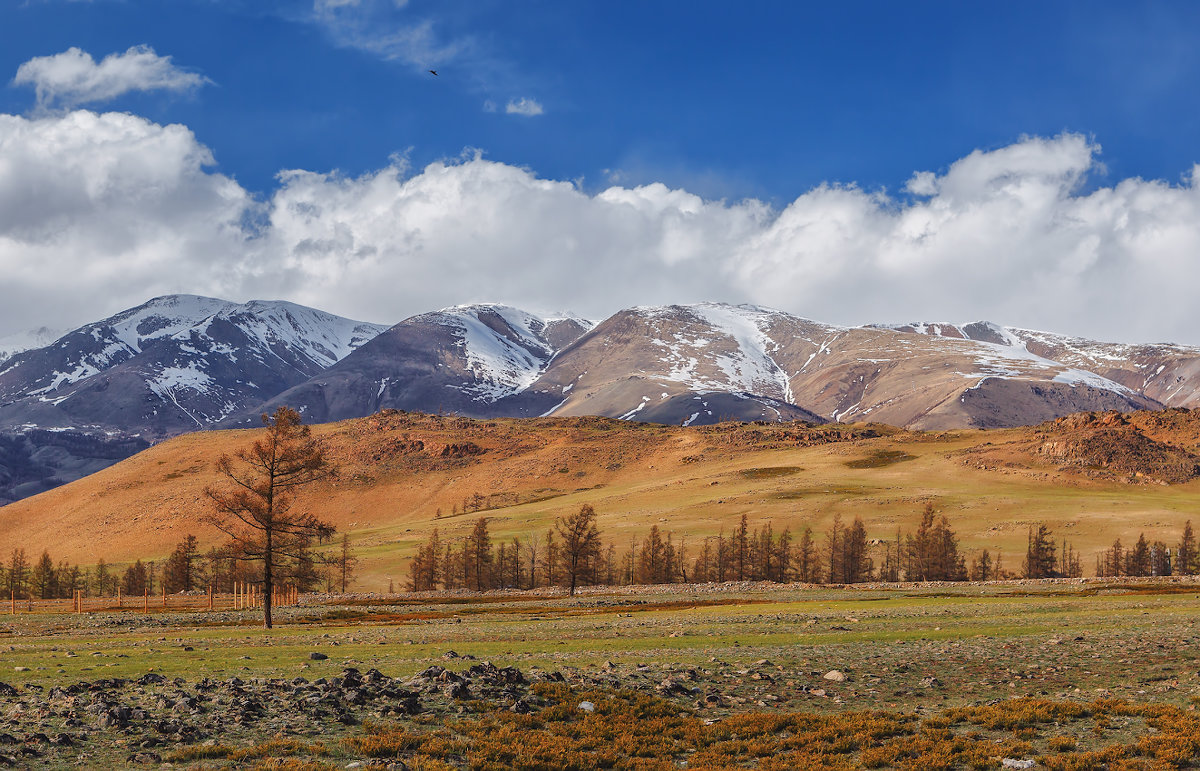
(268, 583)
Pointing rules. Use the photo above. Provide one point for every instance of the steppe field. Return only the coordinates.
(1067, 674)
(1072, 675)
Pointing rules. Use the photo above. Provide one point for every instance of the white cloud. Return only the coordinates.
(102, 209)
(524, 106)
(73, 77)
(375, 27)
(100, 212)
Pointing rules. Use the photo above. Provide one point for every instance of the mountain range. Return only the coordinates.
(181, 363)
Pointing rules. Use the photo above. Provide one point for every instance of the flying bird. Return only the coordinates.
(433, 72)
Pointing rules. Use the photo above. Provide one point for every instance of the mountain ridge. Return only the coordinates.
(180, 363)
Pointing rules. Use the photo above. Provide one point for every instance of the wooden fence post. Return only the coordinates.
(210, 597)
(14, 602)
(146, 600)
(164, 595)
(119, 599)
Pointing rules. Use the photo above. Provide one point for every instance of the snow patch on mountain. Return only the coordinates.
(321, 337)
(1003, 352)
(723, 348)
(751, 367)
(557, 316)
(503, 348)
(159, 318)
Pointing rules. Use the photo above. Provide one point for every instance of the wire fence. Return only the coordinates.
(244, 596)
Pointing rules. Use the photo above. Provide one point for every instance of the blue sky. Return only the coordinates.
(741, 105)
(728, 100)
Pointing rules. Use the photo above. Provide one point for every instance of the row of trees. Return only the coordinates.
(186, 569)
(1151, 559)
(572, 553)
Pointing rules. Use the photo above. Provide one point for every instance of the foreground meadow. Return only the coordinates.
(1075, 675)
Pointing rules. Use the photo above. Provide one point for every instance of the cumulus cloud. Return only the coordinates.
(103, 209)
(524, 106)
(100, 212)
(73, 77)
(1005, 235)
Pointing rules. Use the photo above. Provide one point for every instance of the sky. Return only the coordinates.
(1028, 163)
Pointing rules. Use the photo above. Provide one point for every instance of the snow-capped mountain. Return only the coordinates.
(173, 364)
(95, 347)
(702, 363)
(182, 363)
(1165, 373)
(474, 360)
(691, 364)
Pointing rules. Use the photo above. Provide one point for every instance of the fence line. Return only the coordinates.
(243, 596)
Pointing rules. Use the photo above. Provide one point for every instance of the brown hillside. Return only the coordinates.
(391, 468)
(402, 474)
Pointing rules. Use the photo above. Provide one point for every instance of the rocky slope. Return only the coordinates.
(1141, 447)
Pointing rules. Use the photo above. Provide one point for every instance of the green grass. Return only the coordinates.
(786, 625)
(905, 651)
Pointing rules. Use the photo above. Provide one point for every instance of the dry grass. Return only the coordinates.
(398, 471)
(628, 730)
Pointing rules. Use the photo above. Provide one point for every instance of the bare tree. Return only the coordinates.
(254, 506)
(532, 550)
(580, 541)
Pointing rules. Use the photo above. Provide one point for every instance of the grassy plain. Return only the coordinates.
(914, 653)
(983, 641)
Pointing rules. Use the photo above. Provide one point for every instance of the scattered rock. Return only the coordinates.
(835, 675)
(587, 706)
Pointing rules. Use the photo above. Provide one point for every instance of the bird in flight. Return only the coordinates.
(433, 72)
